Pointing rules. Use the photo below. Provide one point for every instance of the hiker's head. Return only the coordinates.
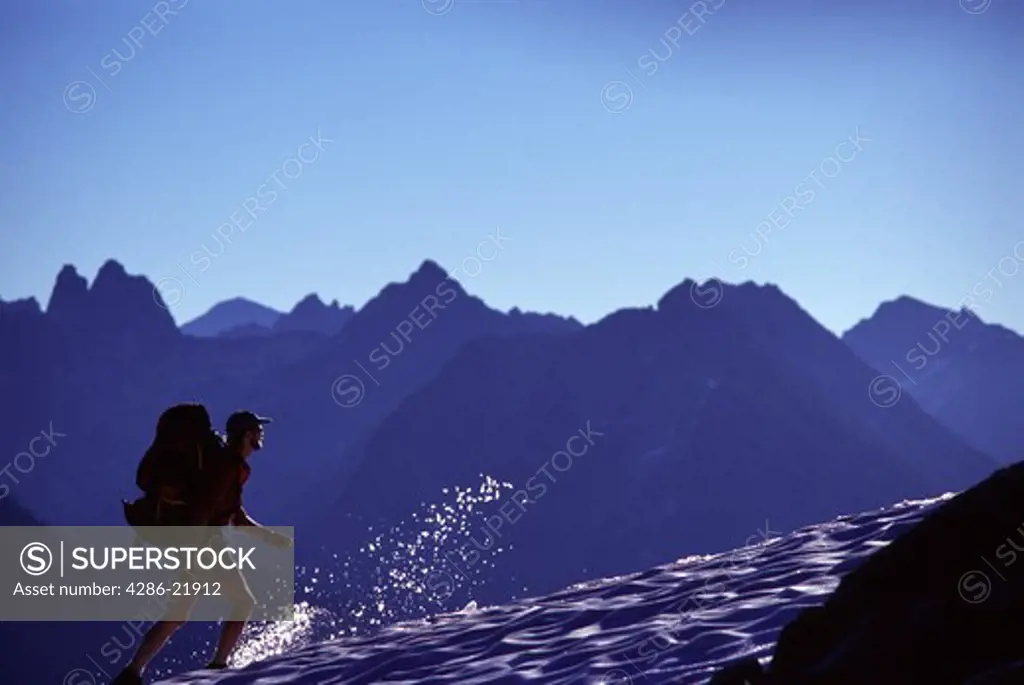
(245, 429)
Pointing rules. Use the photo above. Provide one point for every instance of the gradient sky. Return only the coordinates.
(451, 124)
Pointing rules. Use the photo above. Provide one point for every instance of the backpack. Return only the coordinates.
(175, 453)
(170, 469)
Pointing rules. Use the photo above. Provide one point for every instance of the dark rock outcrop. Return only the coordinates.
(942, 604)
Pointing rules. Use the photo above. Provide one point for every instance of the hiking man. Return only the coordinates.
(210, 495)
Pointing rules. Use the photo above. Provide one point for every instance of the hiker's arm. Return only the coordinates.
(242, 518)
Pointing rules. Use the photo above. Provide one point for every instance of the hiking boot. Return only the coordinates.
(128, 677)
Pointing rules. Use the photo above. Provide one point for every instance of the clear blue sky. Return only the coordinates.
(448, 126)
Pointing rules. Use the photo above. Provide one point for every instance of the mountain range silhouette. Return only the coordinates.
(593, 450)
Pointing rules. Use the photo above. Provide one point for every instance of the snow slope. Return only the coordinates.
(673, 624)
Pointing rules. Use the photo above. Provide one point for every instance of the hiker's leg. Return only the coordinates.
(242, 604)
(174, 617)
(229, 635)
(152, 642)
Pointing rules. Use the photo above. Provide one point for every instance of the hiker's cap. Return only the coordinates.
(242, 421)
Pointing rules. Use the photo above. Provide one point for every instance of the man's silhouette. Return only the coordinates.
(216, 500)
